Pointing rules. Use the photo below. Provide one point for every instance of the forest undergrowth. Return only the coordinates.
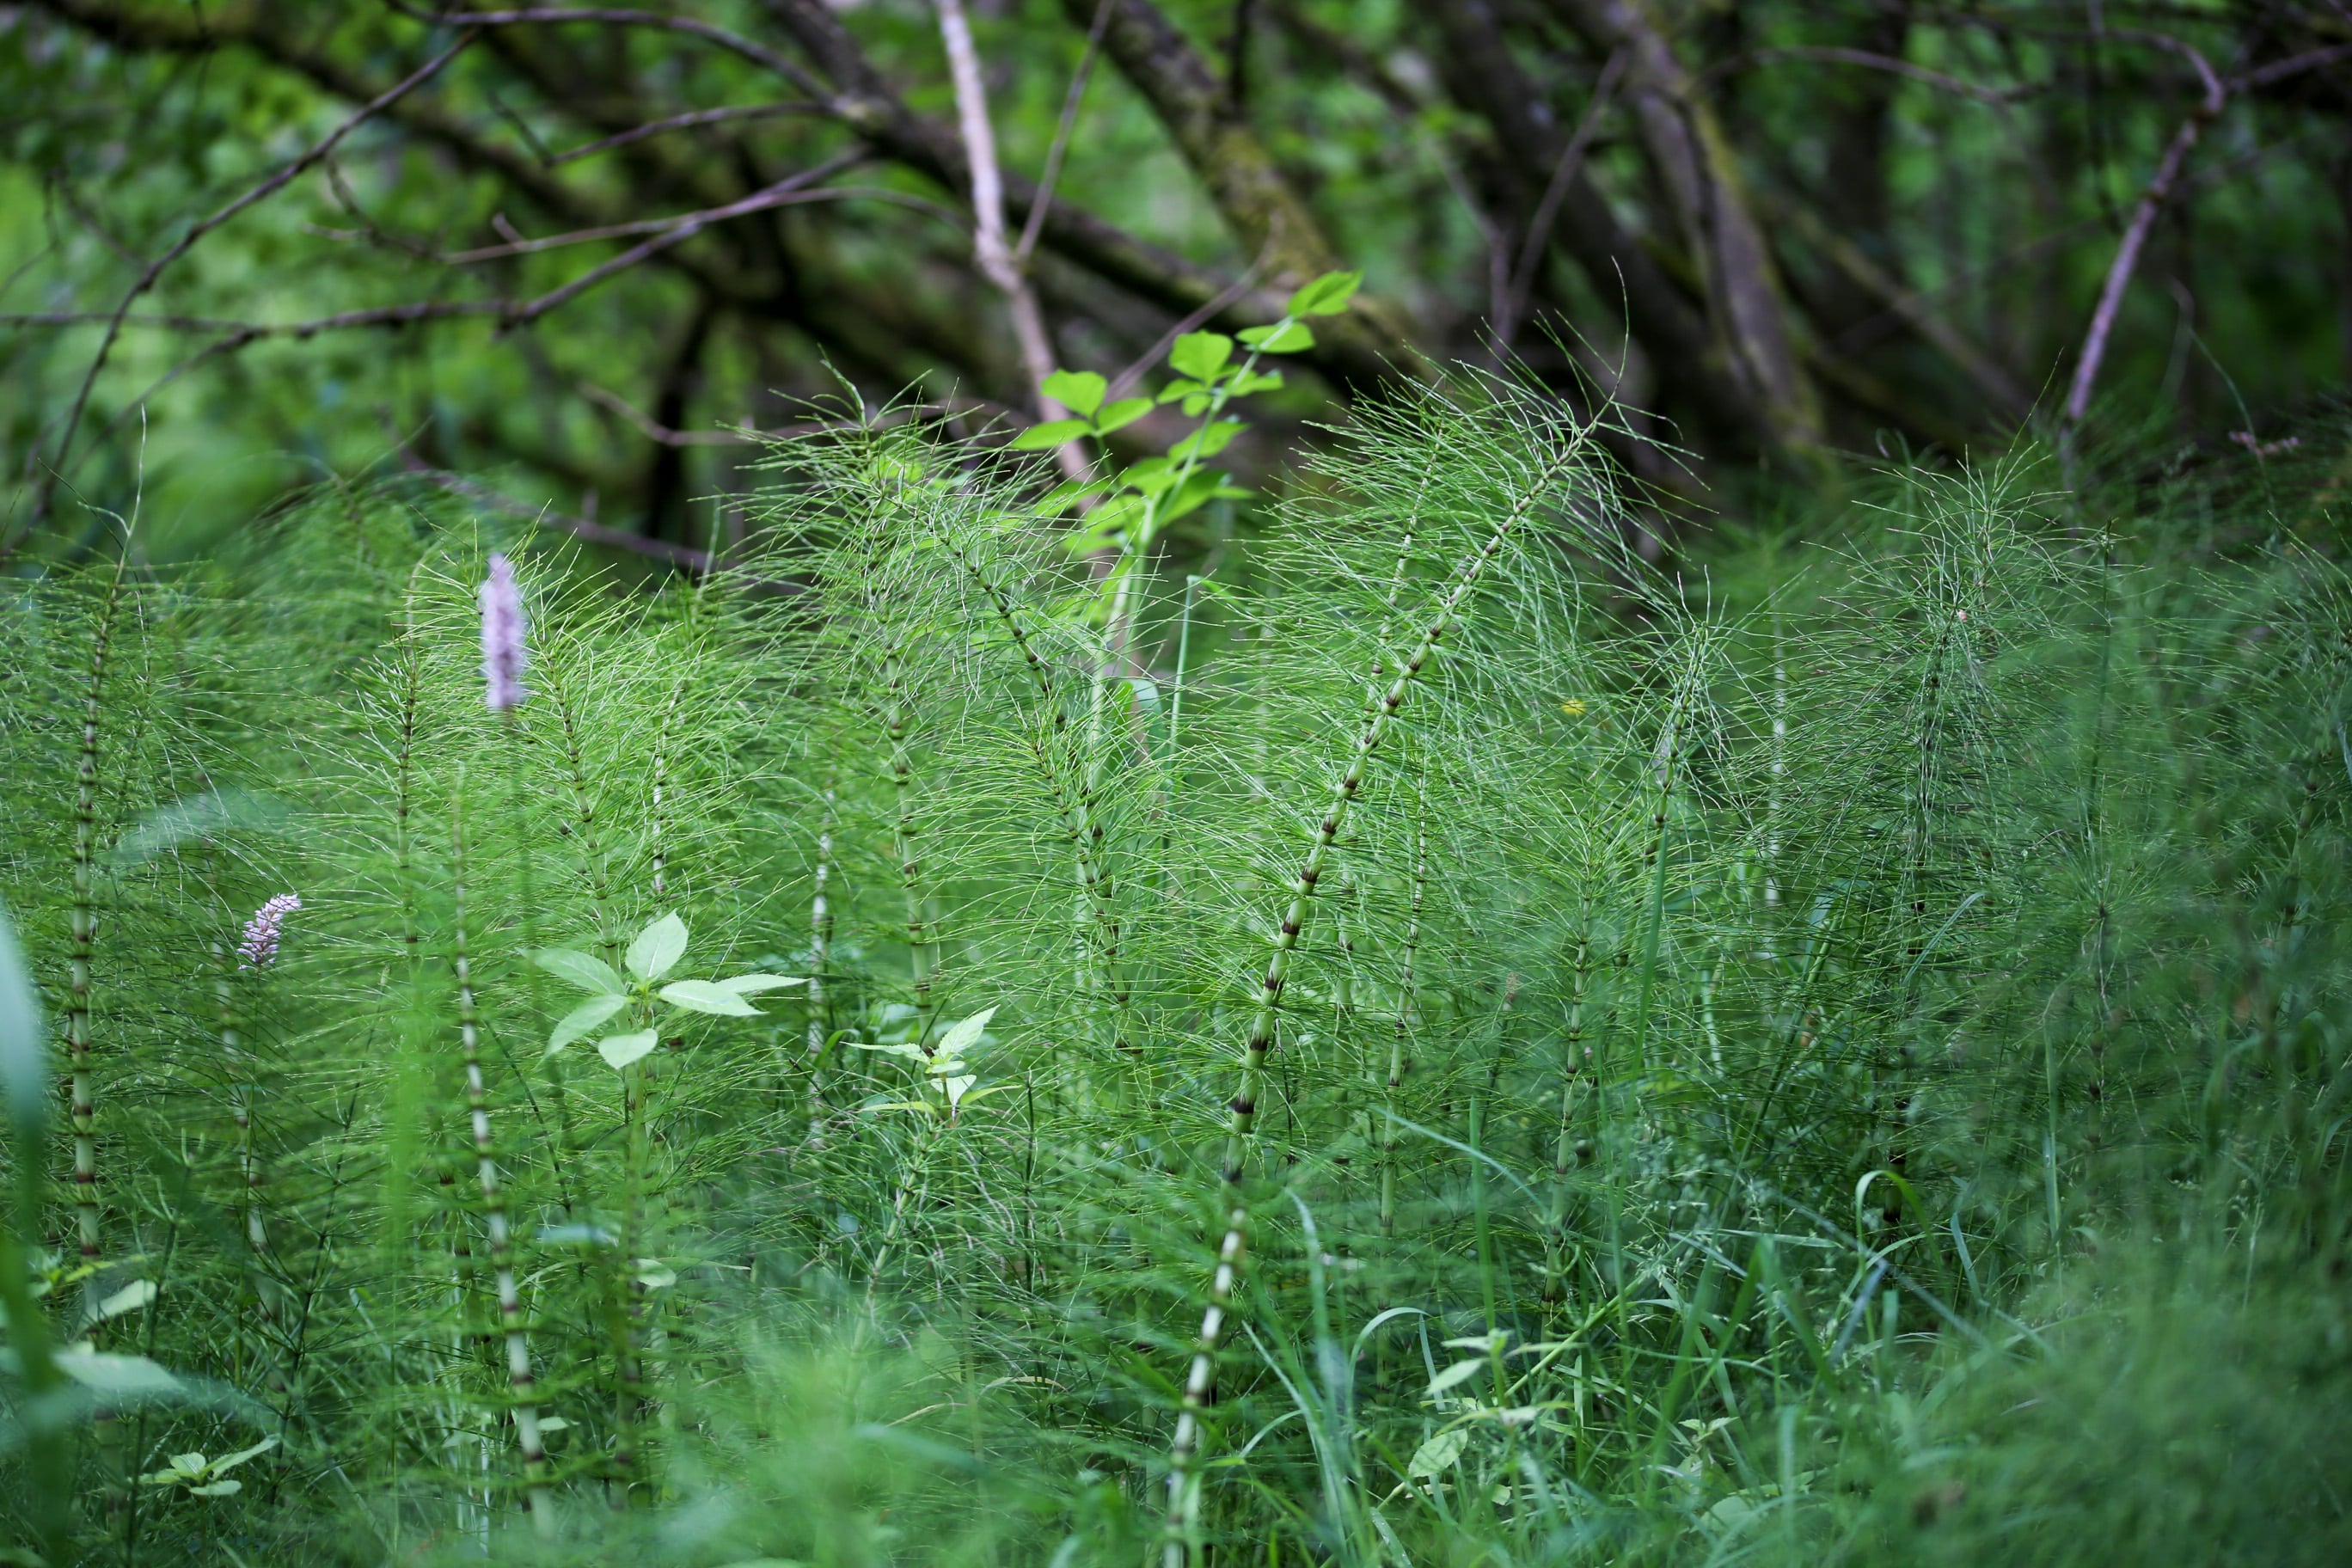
(1417, 1039)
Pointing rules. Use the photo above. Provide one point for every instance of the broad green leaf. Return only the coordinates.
(620, 1050)
(130, 1299)
(702, 996)
(923, 1105)
(1151, 476)
(119, 1376)
(1460, 1372)
(1120, 415)
(1057, 498)
(197, 816)
(1196, 405)
(1201, 355)
(587, 972)
(553, 1424)
(656, 1275)
(1052, 433)
(1080, 391)
(657, 949)
(954, 1086)
(1176, 389)
(1282, 338)
(583, 1020)
(751, 984)
(1207, 441)
(970, 1095)
(1201, 489)
(1256, 381)
(228, 1487)
(1327, 296)
(231, 1462)
(25, 1086)
(910, 1052)
(1437, 1456)
(963, 1035)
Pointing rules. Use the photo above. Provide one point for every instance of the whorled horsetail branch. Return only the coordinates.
(1081, 823)
(1401, 1037)
(520, 1380)
(820, 941)
(239, 1064)
(88, 1216)
(1200, 1379)
(1571, 1076)
(660, 781)
(583, 808)
(896, 719)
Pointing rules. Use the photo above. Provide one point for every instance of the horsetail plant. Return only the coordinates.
(1566, 456)
(520, 1381)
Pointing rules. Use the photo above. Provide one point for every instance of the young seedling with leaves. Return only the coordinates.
(1137, 502)
(655, 952)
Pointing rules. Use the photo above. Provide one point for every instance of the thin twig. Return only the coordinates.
(551, 15)
(1999, 98)
(686, 121)
(155, 269)
(1563, 174)
(747, 436)
(2143, 219)
(994, 257)
(1191, 323)
(1043, 199)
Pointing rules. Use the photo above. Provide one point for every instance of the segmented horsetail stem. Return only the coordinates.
(1563, 1155)
(820, 938)
(1199, 1383)
(661, 771)
(520, 1381)
(1403, 1034)
(88, 1215)
(1669, 754)
(894, 721)
(240, 1065)
(1779, 776)
(1080, 822)
(403, 795)
(583, 823)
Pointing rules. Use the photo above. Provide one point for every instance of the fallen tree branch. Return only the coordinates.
(2127, 259)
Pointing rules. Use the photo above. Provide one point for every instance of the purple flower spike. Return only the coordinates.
(260, 947)
(503, 655)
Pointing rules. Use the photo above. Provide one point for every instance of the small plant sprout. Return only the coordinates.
(1145, 498)
(654, 953)
(200, 1477)
(504, 655)
(945, 1068)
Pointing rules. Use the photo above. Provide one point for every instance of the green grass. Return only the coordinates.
(1641, 1131)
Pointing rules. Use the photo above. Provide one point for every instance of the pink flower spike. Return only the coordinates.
(504, 657)
(260, 947)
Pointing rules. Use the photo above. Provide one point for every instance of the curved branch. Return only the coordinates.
(2143, 219)
(60, 466)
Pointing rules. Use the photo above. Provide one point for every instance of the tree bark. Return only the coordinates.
(1251, 193)
(1692, 162)
(1348, 354)
(1481, 74)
